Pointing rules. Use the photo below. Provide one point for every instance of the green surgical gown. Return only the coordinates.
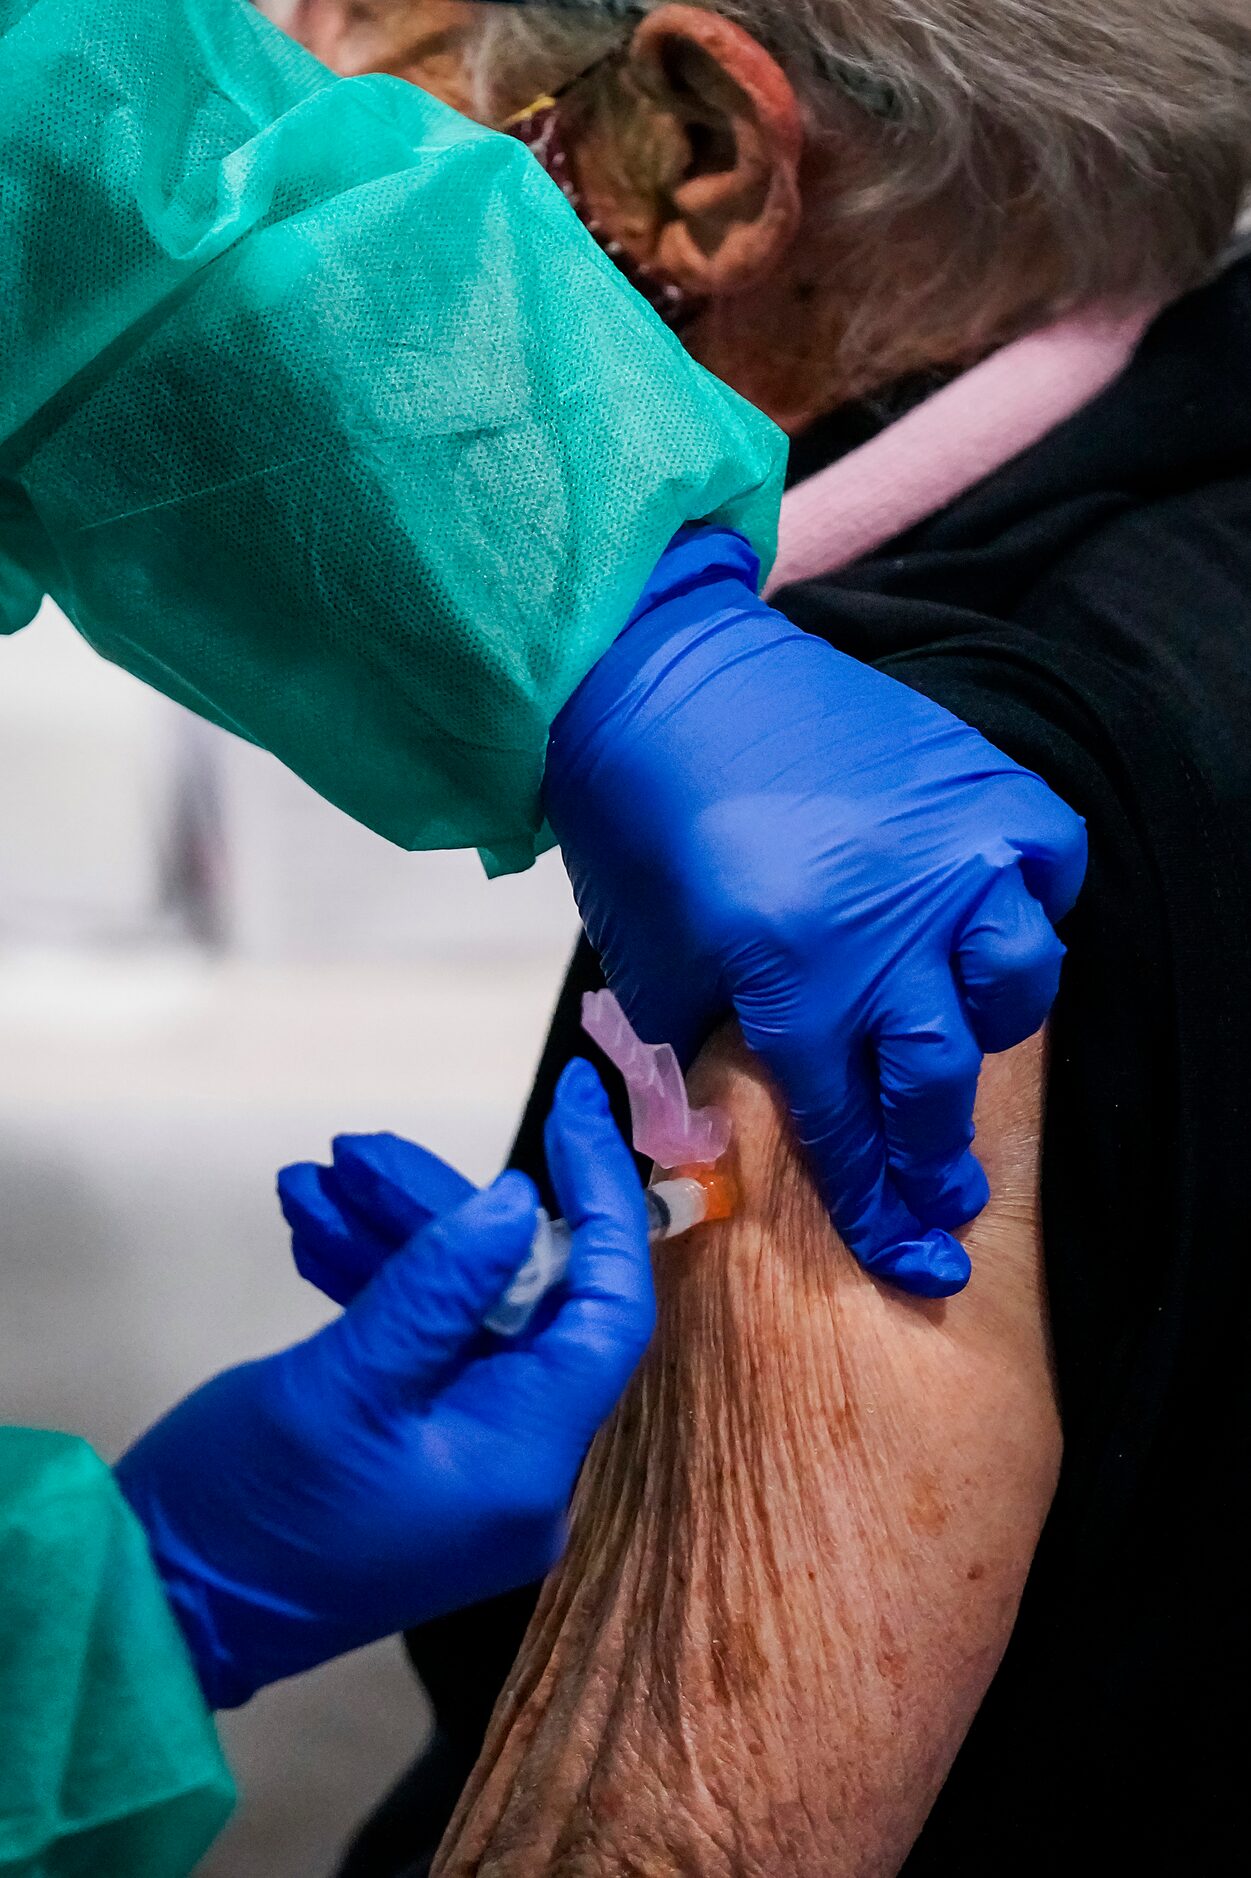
(109, 1763)
(321, 412)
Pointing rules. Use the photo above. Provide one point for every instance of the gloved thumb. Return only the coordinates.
(407, 1330)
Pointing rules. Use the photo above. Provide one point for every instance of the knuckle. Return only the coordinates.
(1026, 944)
(956, 1087)
(765, 903)
(1022, 996)
(790, 931)
(1030, 957)
(947, 1076)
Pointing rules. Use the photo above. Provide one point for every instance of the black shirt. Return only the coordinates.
(1088, 609)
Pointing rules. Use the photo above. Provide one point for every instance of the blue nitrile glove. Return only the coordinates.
(403, 1461)
(752, 820)
(347, 1219)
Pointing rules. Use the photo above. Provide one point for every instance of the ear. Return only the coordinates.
(732, 131)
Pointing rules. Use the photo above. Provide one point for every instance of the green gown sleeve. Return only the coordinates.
(109, 1763)
(321, 412)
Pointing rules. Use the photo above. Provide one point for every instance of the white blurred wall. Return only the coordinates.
(104, 784)
(299, 880)
(86, 779)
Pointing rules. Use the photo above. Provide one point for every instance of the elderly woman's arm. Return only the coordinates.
(797, 1550)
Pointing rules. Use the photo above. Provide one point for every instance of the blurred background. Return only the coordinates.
(205, 972)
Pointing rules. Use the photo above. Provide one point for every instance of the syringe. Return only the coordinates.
(674, 1206)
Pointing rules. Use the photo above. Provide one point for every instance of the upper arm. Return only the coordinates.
(797, 1550)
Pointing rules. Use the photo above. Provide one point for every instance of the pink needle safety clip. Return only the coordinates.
(687, 1143)
(666, 1128)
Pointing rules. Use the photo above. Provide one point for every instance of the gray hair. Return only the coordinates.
(1116, 134)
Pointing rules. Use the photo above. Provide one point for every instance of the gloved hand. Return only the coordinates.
(754, 821)
(349, 1218)
(403, 1461)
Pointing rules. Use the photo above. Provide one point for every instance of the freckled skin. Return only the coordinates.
(927, 1512)
(796, 1551)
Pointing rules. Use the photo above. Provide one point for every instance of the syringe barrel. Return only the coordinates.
(673, 1207)
(546, 1266)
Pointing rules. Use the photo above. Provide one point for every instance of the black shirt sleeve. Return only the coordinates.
(1123, 677)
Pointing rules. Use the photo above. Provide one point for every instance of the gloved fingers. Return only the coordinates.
(336, 1255)
(829, 1087)
(347, 1219)
(393, 1185)
(1008, 961)
(409, 1328)
(608, 1313)
(928, 1068)
(1054, 854)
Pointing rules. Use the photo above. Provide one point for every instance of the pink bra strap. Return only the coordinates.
(961, 435)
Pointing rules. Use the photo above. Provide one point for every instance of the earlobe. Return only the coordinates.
(734, 210)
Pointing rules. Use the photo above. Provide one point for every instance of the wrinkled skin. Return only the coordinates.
(797, 1550)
